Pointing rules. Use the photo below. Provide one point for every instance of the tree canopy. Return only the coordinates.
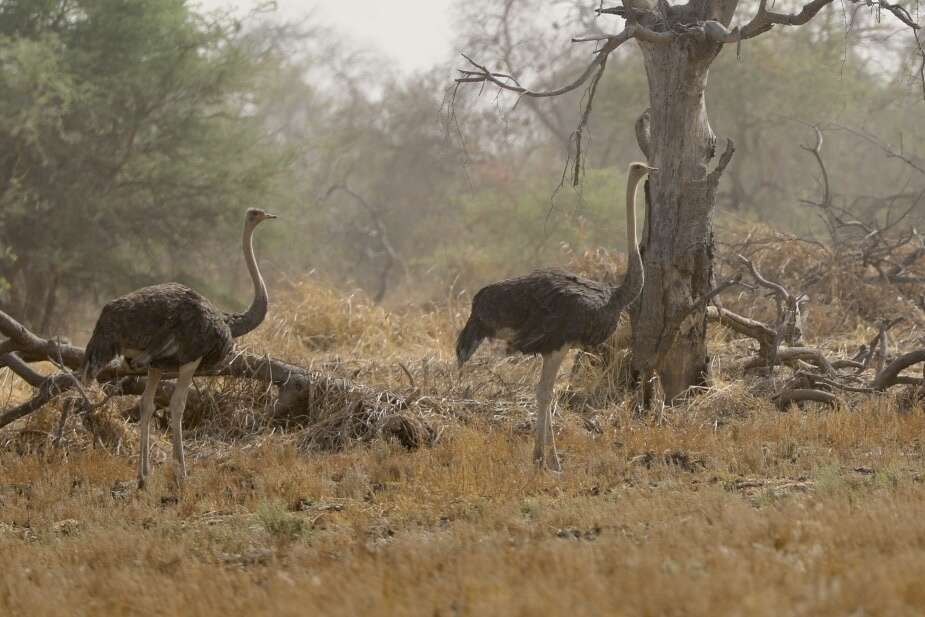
(133, 134)
(126, 135)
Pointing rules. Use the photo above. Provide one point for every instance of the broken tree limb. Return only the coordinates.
(22, 369)
(31, 347)
(791, 354)
(777, 288)
(767, 340)
(789, 327)
(799, 395)
(51, 387)
(742, 325)
(837, 364)
(297, 385)
(890, 376)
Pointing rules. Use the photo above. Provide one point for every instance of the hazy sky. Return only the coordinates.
(416, 33)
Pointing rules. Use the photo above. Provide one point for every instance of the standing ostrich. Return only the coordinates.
(548, 312)
(171, 327)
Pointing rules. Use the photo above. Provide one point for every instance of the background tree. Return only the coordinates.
(286, 116)
(679, 43)
(128, 146)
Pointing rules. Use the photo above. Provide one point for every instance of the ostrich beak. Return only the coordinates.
(651, 169)
(270, 216)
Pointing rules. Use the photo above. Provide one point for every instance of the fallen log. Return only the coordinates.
(800, 395)
(890, 375)
(298, 386)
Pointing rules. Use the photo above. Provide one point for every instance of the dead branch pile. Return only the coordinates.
(816, 372)
(865, 269)
(330, 411)
(868, 263)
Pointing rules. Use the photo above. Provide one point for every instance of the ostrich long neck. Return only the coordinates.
(242, 323)
(633, 281)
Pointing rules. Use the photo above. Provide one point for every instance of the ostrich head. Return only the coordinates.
(638, 170)
(255, 216)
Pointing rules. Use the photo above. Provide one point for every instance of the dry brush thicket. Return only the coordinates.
(368, 475)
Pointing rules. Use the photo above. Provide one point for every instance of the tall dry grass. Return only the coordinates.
(722, 506)
(778, 514)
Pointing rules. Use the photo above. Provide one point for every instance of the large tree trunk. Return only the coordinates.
(677, 242)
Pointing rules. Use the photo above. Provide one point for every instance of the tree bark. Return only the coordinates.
(677, 240)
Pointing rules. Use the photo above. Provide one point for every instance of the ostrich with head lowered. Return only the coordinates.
(172, 327)
(547, 312)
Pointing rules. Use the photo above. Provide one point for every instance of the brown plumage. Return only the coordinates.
(547, 312)
(161, 326)
(172, 327)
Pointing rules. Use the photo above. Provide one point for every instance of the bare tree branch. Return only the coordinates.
(382, 235)
(585, 115)
(21, 339)
(506, 82)
(22, 369)
(890, 375)
(751, 328)
(888, 150)
(777, 288)
(816, 151)
(51, 387)
(764, 19)
(797, 395)
(791, 354)
(789, 326)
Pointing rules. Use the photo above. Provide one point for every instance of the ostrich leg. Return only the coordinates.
(544, 433)
(177, 405)
(147, 410)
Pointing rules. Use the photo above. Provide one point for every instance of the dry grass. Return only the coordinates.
(724, 506)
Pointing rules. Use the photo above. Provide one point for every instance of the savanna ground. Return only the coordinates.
(722, 505)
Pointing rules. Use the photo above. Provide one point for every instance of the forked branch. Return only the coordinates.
(765, 19)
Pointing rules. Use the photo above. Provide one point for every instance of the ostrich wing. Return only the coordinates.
(161, 346)
(547, 310)
(165, 326)
(570, 311)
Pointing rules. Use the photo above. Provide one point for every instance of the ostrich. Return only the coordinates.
(171, 327)
(549, 311)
